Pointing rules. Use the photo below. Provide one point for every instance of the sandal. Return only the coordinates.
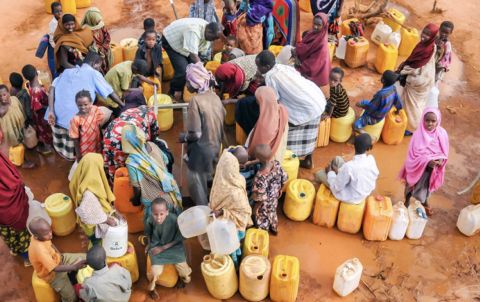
(143, 240)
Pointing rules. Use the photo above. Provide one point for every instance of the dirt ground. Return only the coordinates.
(442, 266)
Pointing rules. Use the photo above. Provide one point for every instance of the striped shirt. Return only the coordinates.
(187, 36)
(382, 102)
(339, 101)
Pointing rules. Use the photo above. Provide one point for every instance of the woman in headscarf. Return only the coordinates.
(93, 197)
(204, 9)
(424, 168)
(418, 76)
(272, 125)
(71, 43)
(148, 172)
(93, 20)
(206, 115)
(333, 10)
(237, 76)
(228, 197)
(313, 53)
(255, 25)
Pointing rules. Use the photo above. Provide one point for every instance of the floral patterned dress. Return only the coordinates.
(39, 104)
(113, 156)
(267, 188)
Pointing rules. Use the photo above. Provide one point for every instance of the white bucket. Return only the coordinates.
(115, 241)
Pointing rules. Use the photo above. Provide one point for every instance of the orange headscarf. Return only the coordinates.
(271, 122)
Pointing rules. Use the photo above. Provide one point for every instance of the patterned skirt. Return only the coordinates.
(302, 139)
(17, 241)
(62, 143)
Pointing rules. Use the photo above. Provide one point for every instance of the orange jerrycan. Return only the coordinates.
(410, 39)
(169, 276)
(60, 209)
(127, 261)
(167, 67)
(164, 116)
(394, 128)
(378, 218)
(69, 6)
(43, 291)
(256, 242)
(341, 128)
(130, 46)
(83, 3)
(285, 279)
(220, 276)
(324, 133)
(326, 208)
(123, 191)
(48, 8)
(275, 49)
(230, 111)
(299, 199)
(17, 155)
(350, 217)
(240, 136)
(345, 26)
(135, 221)
(117, 52)
(290, 164)
(386, 58)
(148, 89)
(254, 277)
(357, 52)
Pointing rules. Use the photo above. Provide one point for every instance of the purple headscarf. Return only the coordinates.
(199, 77)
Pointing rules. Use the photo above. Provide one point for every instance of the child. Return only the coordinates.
(165, 245)
(112, 284)
(16, 80)
(38, 106)
(203, 9)
(127, 76)
(149, 25)
(151, 52)
(229, 18)
(49, 264)
(353, 181)
(231, 50)
(247, 169)
(267, 189)
(443, 56)
(380, 105)
(47, 42)
(338, 102)
(85, 126)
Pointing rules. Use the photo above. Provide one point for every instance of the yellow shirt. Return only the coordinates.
(44, 258)
(119, 77)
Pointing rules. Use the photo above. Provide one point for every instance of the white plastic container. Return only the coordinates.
(433, 97)
(418, 220)
(347, 277)
(394, 39)
(223, 236)
(341, 48)
(35, 209)
(469, 220)
(285, 56)
(204, 243)
(193, 222)
(381, 33)
(115, 241)
(399, 222)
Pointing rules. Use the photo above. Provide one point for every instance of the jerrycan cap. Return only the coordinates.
(379, 198)
(302, 195)
(66, 198)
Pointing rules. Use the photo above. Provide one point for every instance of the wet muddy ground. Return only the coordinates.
(442, 266)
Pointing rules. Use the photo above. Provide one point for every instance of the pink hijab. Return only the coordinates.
(424, 147)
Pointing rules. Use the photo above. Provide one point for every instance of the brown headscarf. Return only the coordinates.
(271, 122)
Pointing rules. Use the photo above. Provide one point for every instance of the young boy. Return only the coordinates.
(151, 52)
(381, 103)
(231, 50)
(338, 102)
(122, 76)
(51, 265)
(443, 56)
(16, 80)
(107, 284)
(148, 25)
(353, 181)
(229, 18)
(247, 169)
(267, 189)
(165, 245)
(47, 42)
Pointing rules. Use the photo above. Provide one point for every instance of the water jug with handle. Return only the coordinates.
(130, 46)
(256, 242)
(326, 208)
(164, 116)
(204, 243)
(223, 236)
(43, 290)
(254, 277)
(381, 33)
(400, 222)
(115, 241)
(285, 279)
(410, 39)
(394, 127)
(299, 199)
(60, 209)
(341, 48)
(128, 262)
(169, 276)
(347, 277)
(378, 218)
(469, 220)
(290, 164)
(167, 67)
(123, 191)
(387, 55)
(69, 6)
(350, 217)
(194, 221)
(17, 155)
(220, 276)
(418, 220)
(395, 38)
(341, 128)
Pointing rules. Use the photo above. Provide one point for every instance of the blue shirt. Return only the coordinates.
(382, 102)
(71, 81)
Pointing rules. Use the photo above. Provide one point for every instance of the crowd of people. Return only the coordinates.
(95, 114)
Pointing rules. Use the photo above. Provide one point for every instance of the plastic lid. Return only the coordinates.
(58, 202)
(255, 265)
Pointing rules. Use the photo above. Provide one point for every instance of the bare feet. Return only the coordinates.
(28, 164)
(44, 149)
(177, 97)
(307, 162)
(180, 283)
(153, 295)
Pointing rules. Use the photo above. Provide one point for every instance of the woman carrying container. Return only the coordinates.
(424, 168)
(93, 20)
(238, 76)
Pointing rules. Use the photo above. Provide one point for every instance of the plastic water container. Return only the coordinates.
(45, 78)
(194, 221)
(399, 222)
(254, 277)
(433, 97)
(204, 243)
(218, 57)
(256, 242)
(410, 39)
(285, 56)
(285, 279)
(341, 128)
(378, 218)
(60, 209)
(276, 49)
(168, 70)
(169, 276)
(43, 291)
(240, 136)
(230, 109)
(395, 39)
(164, 116)
(117, 52)
(17, 155)
(223, 236)
(347, 277)
(84, 273)
(386, 59)
(290, 164)
(418, 220)
(469, 220)
(212, 66)
(129, 46)
(331, 48)
(350, 217)
(394, 128)
(69, 6)
(148, 90)
(397, 19)
(345, 26)
(128, 262)
(305, 6)
(83, 3)
(357, 52)
(323, 133)
(326, 208)
(47, 4)
(123, 191)
(135, 221)
(115, 241)
(187, 96)
(299, 199)
(220, 276)
(381, 33)
(36, 209)
(341, 48)
(375, 131)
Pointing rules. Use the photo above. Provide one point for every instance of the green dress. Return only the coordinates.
(161, 234)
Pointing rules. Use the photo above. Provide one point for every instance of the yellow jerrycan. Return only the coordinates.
(275, 49)
(378, 218)
(290, 164)
(386, 59)
(240, 136)
(324, 133)
(60, 209)
(127, 261)
(17, 155)
(220, 276)
(230, 111)
(357, 52)
(69, 6)
(48, 6)
(168, 278)
(256, 242)
(350, 217)
(331, 48)
(341, 128)
(130, 46)
(187, 96)
(117, 52)
(167, 67)
(326, 208)
(395, 20)
(299, 199)
(285, 279)
(148, 89)
(212, 66)
(164, 116)
(84, 273)
(218, 57)
(375, 131)
(83, 3)
(394, 128)
(254, 277)
(410, 39)
(345, 27)
(43, 291)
